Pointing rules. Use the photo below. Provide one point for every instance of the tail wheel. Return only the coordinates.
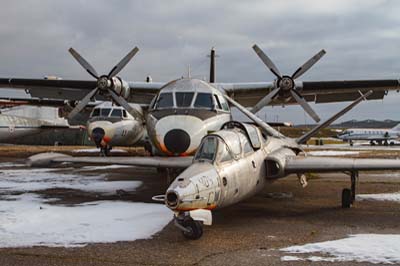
(346, 198)
(194, 229)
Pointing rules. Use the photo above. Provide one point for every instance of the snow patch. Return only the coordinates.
(380, 197)
(95, 150)
(373, 248)
(28, 220)
(332, 153)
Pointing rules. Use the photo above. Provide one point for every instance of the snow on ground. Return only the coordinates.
(28, 220)
(332, 153)
(96, 150)
(105, 167)
(28, 180)
(373, 248)
(380, 197)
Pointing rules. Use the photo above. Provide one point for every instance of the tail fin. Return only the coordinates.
(396, 128)
(303, 139)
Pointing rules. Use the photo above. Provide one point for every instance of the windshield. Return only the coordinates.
(116, 113)
(207, 150)
(204, 100)
(96, 112)
(105, 111)
(183, 99)
(165, 100)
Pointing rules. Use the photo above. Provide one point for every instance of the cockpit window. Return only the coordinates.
(116, 113)
(204, 100)
(165, 100)
(224, 154)
(223, 102)
(105, 112)
(207, 150)
(183, 99)
(124, 114)
(96, 112)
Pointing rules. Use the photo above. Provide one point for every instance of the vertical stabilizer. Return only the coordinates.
(396, 128)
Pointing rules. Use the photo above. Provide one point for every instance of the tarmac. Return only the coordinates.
(249, 233)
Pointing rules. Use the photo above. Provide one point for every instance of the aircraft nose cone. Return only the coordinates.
(97, 135)
(177, 141)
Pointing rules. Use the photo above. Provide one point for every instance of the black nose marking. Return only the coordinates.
(177, 141)
(97, 135)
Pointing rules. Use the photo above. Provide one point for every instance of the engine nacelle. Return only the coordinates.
(120, 87)
(275, 163)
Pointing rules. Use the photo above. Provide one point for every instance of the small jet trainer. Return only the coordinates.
(373, 135)
(233, 164)
(190, 108)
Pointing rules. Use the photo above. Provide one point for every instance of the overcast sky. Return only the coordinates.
(361, 37)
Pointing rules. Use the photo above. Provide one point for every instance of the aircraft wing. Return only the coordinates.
(75, 90)
(46, 159)
(311, 164)
(248, 94)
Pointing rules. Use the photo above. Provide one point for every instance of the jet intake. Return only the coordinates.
(275, 163)
(172, 199)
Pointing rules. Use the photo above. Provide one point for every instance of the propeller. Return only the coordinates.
(106, 84)
(285, 85)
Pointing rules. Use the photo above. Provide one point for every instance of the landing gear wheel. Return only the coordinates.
(347, 198)
(195, 229)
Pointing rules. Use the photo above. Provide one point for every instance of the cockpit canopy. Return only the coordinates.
(190, 93)
(228, 144)
(115, 111)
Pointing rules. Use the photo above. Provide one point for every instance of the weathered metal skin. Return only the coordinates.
(196, 122)
(216, 184)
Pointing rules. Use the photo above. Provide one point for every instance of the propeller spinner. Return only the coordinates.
(286, 84)
(106, 84)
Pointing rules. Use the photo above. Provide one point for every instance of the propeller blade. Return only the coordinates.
(118, 67)
(82, 103)
(264, 101)
(85, 64)
(121, 101)
(267, 61)
(307, 65)
(300, 100)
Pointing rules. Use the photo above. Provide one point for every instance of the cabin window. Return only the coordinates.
(116, 113)
(207, 150)
(105, 112)
(204, 100)
(217, 103)
(184, 99)
(165, 100)
(96, 112)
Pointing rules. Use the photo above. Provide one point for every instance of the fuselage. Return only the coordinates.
(230, 166)
(369, 134)
(184, 111)
(112, 126)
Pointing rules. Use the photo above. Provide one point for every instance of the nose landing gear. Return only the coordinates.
(191, 229)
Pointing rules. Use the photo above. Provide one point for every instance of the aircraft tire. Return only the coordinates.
(346, 198)
(195, 227)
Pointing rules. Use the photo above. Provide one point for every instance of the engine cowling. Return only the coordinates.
(120, 87)
(275, 163)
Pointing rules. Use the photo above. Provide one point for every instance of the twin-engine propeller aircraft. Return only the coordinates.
(233, 164)
(188, 108)
(375, 136)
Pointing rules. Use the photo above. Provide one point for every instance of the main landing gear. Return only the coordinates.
(191, 229)
(349, 194)
(105, 151)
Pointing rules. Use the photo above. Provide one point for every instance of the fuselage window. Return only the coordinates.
(96, 112)
(105, 111)
(204, 100)
(207, 150)
(183, 99)
(217, 103)
(165, 100)
(116, 113)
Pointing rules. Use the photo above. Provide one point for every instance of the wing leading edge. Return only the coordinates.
(334, 164)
